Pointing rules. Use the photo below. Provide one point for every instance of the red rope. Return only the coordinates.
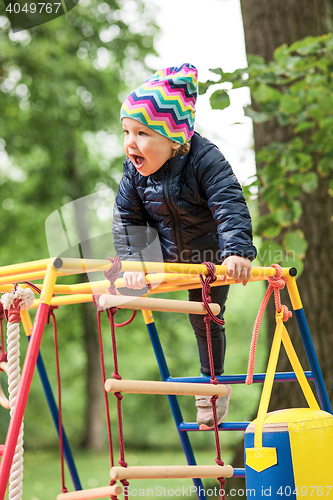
(210, 278)
(3, 353)
(119, 325)
(107, 408)
(276, 283)
(61, 437)
(112, 274)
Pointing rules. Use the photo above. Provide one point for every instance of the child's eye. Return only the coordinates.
(142, 133)
(125, 132)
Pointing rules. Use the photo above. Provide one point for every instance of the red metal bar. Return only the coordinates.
(22, 396)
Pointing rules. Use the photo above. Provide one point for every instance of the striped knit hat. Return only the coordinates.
(166, 102)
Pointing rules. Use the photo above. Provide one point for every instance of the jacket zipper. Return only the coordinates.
(179, 239)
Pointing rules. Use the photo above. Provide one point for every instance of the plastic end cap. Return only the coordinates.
(293, 271)
(58, 263)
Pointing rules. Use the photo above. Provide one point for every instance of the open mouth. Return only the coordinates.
(138, 161)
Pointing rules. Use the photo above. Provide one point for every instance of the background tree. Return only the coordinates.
(291, 108)
(61, 88)
(268, 25)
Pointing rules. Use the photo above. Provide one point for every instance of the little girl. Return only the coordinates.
(179, 183)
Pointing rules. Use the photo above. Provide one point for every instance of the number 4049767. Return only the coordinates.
(32, 8)
(305, 491)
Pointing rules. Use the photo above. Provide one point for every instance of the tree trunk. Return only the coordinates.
(93, 435)
(95, 420)
(267, 25)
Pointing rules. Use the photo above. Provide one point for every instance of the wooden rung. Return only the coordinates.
(172, 472)
(151, 304)
(152, 387)
(92, 493)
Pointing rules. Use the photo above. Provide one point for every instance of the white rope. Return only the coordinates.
(13, 348)
(21, 299)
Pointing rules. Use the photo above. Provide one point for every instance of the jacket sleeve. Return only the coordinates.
(129, 221)
(227, 204)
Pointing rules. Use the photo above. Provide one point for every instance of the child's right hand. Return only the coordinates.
(134, 280)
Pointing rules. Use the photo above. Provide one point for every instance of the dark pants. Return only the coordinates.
(219, 295)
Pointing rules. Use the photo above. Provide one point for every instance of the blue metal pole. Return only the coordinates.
(177, 415)
(55, 416)
(313, 360)
(240, 379)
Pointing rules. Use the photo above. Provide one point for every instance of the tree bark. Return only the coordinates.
(94, 429)
(267, 25)
(93, 434)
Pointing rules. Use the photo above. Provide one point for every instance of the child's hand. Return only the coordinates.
(134, 280)
(239, 268)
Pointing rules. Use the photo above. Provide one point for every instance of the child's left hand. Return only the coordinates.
(239, 268)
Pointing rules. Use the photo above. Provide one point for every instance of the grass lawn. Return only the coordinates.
(42, 480)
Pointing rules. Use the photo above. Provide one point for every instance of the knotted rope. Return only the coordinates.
(276, 283)
(3, 359)
(14, 301)
(51, 315)
(206, 281)
(112, 274)
(3, 354)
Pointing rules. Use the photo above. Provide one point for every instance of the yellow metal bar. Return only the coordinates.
(297, 367)
(49, 282)
(90, 265)
(26, 267)
(63, 300)
(18, 278)
(26, 322)
(148, 317)
(269, 379)
(6, 288)
(294, 293)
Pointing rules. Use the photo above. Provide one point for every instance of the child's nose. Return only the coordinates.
(131, 142)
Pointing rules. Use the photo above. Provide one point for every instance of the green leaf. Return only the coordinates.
(308, 181)
(281, 52)
(255, 115)
(304, 161)
(204, 86)
(327, 123)
(217, 71)
(286, 216)
(325, 166)
(267, 226)
(316, 112)
(264, 93)
(325, 103)
(296, 242)
(305, 46)
(288, 161)
(289, 105)
(301, 127)
(254, 59)
(219, 99)
(270, 253)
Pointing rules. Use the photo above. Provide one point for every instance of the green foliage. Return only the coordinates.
(61, 86)
(295, 90)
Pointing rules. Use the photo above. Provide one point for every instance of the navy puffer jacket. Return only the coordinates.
(195, 204)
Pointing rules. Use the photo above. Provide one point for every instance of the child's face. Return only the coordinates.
(148, 150)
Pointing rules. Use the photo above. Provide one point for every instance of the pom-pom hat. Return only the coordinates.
(166, 102)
